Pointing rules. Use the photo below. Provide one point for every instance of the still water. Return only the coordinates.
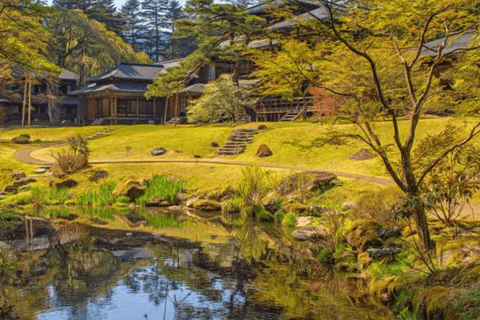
(90, 274)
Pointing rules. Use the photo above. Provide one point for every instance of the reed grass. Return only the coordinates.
(101, 197)
(161, 221)
(159, 187)
(58, 195)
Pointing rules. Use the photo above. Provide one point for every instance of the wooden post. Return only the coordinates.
(24, 100)
(30, 102)
(154, 110)
(137, 108)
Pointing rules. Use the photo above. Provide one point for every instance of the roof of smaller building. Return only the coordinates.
(69, 100)
(320, 13)
(68, 75)
(454, 43)
(195, 88)
(132, 87)
(261, 7)
(133, 71)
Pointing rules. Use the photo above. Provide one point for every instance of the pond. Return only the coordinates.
(76, 271)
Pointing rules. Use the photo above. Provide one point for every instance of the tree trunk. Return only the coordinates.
(29, 102)
(24, 100)
(422, 226)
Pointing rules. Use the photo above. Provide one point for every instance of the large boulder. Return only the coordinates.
(131, 188)
(68, 183)
(272, 201)
(310, 233)
(262, 127)
(21, 140)
(263, 151)
(158, 151)
(214, 144)
(310, 181)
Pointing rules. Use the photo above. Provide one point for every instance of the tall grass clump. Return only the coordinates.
(159, 187)
(252, 188)
(5, 178)
(58, 195)
(101, 197)
(38, 195)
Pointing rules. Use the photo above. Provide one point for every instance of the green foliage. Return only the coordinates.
(289, 220)
(5, 178)
(7, 267)
(76, 157)
(377, 206)
(101, 197)
(160, 187)
(58, 194)
(38, 195)
(122, 200)
(252, 188)
(221, 99)
(234, 205)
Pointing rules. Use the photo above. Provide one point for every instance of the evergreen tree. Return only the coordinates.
(131, 13)
(154, 13)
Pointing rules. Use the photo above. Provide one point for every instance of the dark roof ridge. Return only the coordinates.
(139, 64)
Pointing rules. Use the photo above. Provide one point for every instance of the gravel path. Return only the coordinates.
(25, 155)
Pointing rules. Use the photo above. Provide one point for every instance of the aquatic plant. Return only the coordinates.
(160, 187)
(161, 221)
(58, 195)
(38, 195)
(100, 197)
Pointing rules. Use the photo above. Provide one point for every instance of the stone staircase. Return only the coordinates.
(237, 142)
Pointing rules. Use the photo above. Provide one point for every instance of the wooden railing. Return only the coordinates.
(279, 105)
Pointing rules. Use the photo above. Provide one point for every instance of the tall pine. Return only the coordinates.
(131, 13)
(154, 13)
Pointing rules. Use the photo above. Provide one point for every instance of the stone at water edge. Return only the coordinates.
(158, 151)
(310, 233)
(40, 170)
(263, 151)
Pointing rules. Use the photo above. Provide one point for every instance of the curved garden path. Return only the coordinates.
(25, 155)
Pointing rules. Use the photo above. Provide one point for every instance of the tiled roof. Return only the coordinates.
(134, 71)
(321, 13)
(196, 88)
(68, 75)
(259, 8)
(455, 42)
(135, 87)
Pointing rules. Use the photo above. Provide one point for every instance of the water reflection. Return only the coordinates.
(261, 273)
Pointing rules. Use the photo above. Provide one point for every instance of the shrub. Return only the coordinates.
(38, 195)
(75, 157)
(58, 194)
(122, 200)
(161, 188)
(232, 205)
(377, 206)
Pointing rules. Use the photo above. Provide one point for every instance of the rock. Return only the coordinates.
(23, 182)
(133, 254)
(207, 205)
(40, 170)
(158, 203)
(68, 183)
(311, 180)
(220, 194)
(131, 188)
(303, 208)
(190, 202)
(18, 175)
(37, 244)
(263, 151)
(4, 246)
(192, 257)
(10, 189)
(302, 221)
(262, 127)
(272, 201)
(347, 206)
(158, 151)
(214, 144)
(21, 140)
(362, 154)
(175, 208)
(364, 234)
(97, 175)
(382, 253)
(310, 233)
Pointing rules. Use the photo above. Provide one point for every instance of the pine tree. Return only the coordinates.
(104, 11)
(131, 13)
(154, 13)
